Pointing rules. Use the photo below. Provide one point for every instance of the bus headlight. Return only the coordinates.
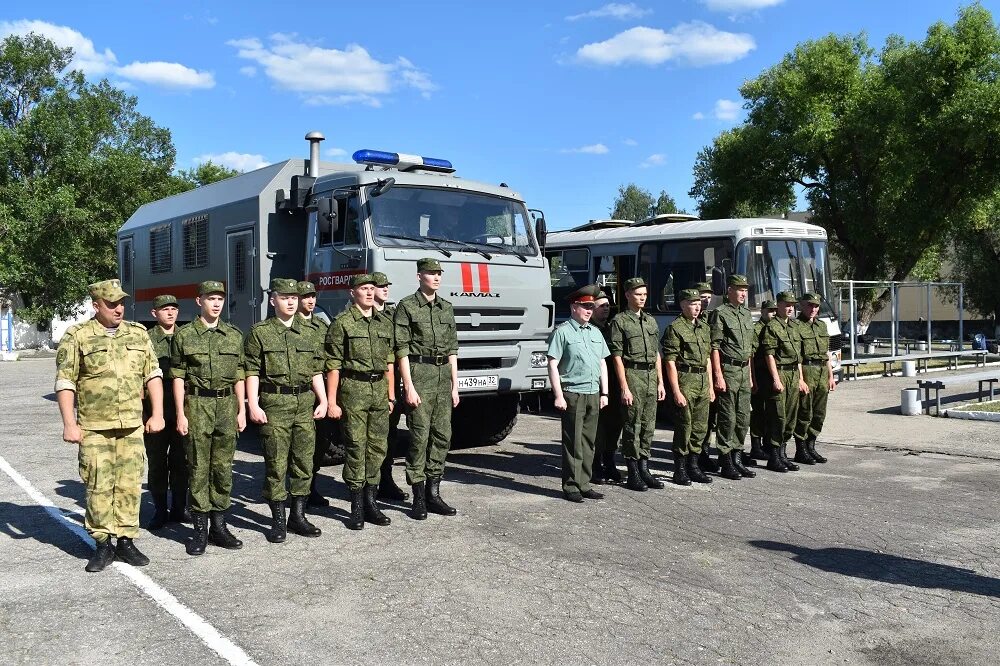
(539, 360)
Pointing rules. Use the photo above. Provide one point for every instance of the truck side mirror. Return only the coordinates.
(540, 232)
(718, 281)
(326, 211)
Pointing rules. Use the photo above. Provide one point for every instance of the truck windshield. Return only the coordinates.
(404, 216)
(773, 266)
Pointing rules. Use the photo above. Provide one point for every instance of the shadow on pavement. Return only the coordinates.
(886, 568)
(20, 521)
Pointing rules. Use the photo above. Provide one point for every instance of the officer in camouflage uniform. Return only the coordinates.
(609, 421)
(686, 346)
(165, 449)
(705, 457)
(635, 353)
(315, 328)
(286, 394)
(782, 347)
(761, 380)
(387, 488)
(206, 367)
(427, 352)
(102, 366)
(731, 327)
(361, 391)
(818, 374)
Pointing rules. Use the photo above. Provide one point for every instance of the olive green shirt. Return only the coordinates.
(162, 344)
(635, 337)
(731, 327)
(207, 357)
(107, 373)
(425, 328)
(686, 342)
(359, 343)
(781, 340)
(815, 339)
(758, 330)
(280, 355)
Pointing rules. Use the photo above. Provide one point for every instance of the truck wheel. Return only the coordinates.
(483, 421)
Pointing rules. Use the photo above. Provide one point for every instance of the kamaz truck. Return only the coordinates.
(326, 222)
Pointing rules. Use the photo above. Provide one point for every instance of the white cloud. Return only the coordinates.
(234, 160)
(698, 115)
(592, 149)
(630, 142)
(334, 152)
(726, 109)
(739, 5)
(167, 75)
(617, 10)
(694, 43)
(654, 160)
(325, 76)
(248, 71)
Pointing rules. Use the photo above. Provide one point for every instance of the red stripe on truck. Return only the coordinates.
(467, 278)
(484, 278)
(179, 291)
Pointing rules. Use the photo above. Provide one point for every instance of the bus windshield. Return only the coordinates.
(773, 266)
(428, 217)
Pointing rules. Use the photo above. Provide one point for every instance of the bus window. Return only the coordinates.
(772, 267)
(569, 270)
(670, 267)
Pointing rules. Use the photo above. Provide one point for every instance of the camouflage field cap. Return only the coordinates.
(737, 280)
(703, 288)
(109, 290)
(211, 287)
(811, 297)
(284, 286)
(634, 283)
(427, 265)
(768, 305)
(601, 295)
(163, 300)
(786, 297)
(362, 279)
(381, 279)
(587, 294)
(689, 295)
(306, 288)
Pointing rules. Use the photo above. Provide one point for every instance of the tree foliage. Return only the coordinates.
(975, 261)
(895, 150)
(637, 204)
(203, 174)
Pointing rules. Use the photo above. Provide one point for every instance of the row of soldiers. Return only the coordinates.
(771, 378)
(288, 372)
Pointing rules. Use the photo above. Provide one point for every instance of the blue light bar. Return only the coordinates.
(401, 160)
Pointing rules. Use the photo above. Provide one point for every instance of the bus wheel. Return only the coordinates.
(484, 420)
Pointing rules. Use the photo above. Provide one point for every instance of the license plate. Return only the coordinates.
(480, 382)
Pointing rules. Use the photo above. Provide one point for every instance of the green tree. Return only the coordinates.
(637, 204)
(76, 160)
(894, 150)
(665, 204)
(203, 174)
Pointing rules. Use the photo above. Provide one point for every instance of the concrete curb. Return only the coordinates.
(972, 415)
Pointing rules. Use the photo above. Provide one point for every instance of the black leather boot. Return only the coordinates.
(315, 496)
(196, 544)
(757, 450)
(681, 477)
(434, 502)
(387, 488)
(647, 478)
(694, 471)
(792, 467)
(727, 469)
(219, 532)
(277, 532)
(179, 511)
(357, 519)
(634, 480)
(811, 445)
(774, 462)
(597, 470)
(160, 513)
(802, 454)
(129, 554)
(419, 511)
(737, 457)
(705, 461)
(611, 472)
(297, 521)
(102, 557)
(372, 513)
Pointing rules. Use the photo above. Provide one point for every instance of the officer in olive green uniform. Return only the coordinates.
(609, 421)
(427, 351)
(387, 488)
(315, 328)
(818, 374)
(579, 377)
(686, 346)
(635, 353)
(781, 345)
(165, 449)
(705, 460)
(101, 368)
(206, 367)
(731, 327)
(286, 394)
(761, 382)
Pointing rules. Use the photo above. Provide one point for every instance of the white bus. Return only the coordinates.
(673, 252)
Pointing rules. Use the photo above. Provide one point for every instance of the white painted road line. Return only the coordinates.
(208, 634)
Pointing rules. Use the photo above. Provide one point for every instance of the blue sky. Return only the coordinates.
(564, 101)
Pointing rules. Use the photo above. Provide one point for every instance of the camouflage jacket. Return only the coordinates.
(108, 373)
(357, 342)
(207, 358)
(634, 337)
(815, 339)
(316, 329)
(781, 340)
(162, 343)
(280, 355)
(731, 327)
(686, 342)
(425, 327)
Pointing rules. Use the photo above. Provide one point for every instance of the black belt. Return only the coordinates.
(211, 393)
(735, 364)
(814, 362)
(363, 376)
(638, 365)
(787, 366)
(431, 360)
(689, 369)
(285, 390)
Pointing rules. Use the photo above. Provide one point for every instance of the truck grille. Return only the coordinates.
(489, 320)
(836, 342)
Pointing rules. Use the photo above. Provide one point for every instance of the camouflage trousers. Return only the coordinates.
(579, 428)
(639, 418)
(691, 422)
(112, 464)
(211, 444)
(609, 424)
(289, 440)
(366, 430)
(733, 409)
(812, 406)
(781, 409)
(166, 461)
(758, 399)
(429, 423)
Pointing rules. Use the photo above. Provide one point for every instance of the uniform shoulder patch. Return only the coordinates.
(62, 356)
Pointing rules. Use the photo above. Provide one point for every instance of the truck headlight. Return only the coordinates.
(539, 360)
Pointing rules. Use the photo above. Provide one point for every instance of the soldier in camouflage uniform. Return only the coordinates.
(206, 370)
(286, 394)
(761, 380)
(315, 328)
(102, 366)
(609, 421)
(686, 346)
(427, 353)
(705, 457)
(387, 488)
(635, 354)
(361, 391)
(731, 327)
(165, 449)
(782, 347)
(818, 374)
